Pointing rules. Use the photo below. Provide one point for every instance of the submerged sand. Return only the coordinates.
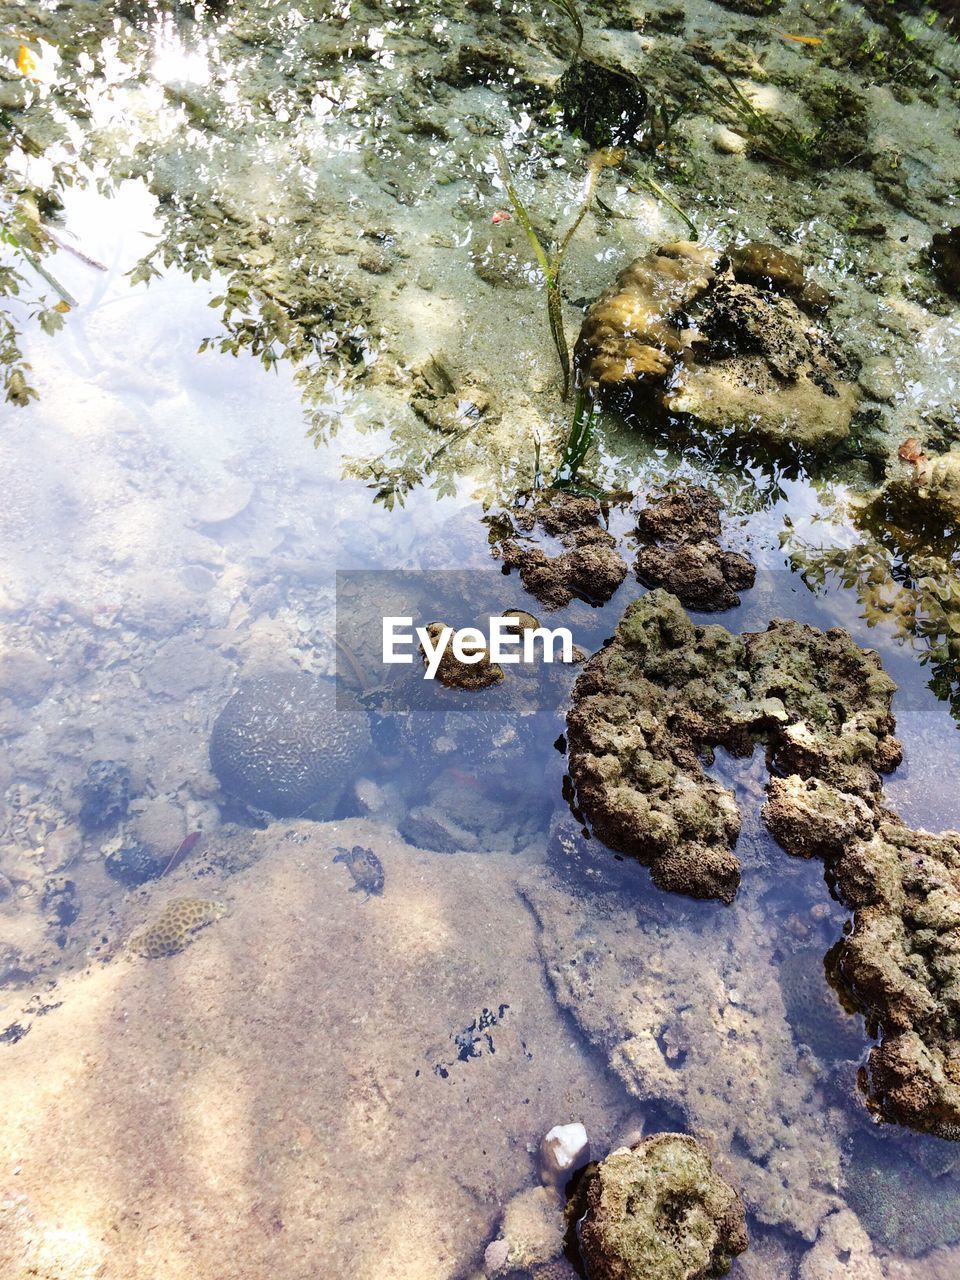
(271, 1100)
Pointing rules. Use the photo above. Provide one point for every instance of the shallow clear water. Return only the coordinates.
(316, 193)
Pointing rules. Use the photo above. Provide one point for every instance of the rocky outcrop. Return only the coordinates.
(900, 962)
(588, 567)
(658, 1211)
(648, 708)
(681, 551)
(727, 341)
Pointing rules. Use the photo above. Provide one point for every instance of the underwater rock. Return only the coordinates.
(59, 902)
(25, 677)
(183, 665)
(442, 401)
(658, 1211)
(931, 490)
(133, 864)
(607, 108)
(842, 1250)
(159, 824)
(638, 775)
(589, 568)
(491, 806)
(651, 705)
(628, 335)
(685, 1006)
(685, 331)
(901, 964)
(288, 744)
(945, 259)
(683, 552)
(462, 675)
(531, 1234)
(104, 794)
(175, 927)
(223, 504)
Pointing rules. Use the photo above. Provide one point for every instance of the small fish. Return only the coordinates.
(812, 40)
(501, 215)
(183, 849)
(365, 867)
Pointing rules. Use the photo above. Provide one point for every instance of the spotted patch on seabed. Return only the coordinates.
(473, 1041)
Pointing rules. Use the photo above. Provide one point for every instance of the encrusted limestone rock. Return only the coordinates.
(681, 551)
(726, 340)
(901, 961)
(174, 928)
(635, 744)
(658, 1211)
(289, 743)
(588, 568)
(648, 708)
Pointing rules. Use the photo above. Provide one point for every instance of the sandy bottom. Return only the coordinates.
(287, 1095)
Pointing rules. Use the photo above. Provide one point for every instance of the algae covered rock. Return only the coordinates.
(724, 341)
(901, 961)
(648, 708)
(605, 107)
(288, 744)
(479, 673)
(588, 565)
(931, 490)
(682, 552)
(634, 762)
(658, 1211)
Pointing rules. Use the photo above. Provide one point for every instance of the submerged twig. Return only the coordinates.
(551, 264)
(570, 9)
(659, 192)
(782, 143)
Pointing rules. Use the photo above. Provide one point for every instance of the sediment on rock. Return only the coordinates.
(725, 340)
